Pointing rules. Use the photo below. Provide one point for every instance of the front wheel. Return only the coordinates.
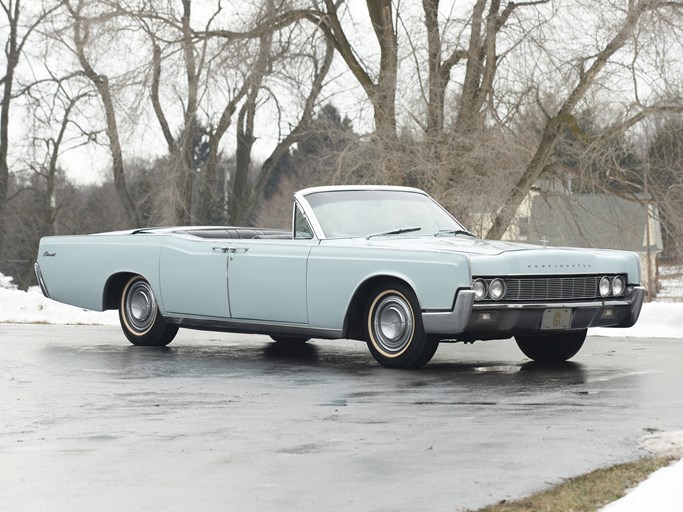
(551, 348)
(393, 328)
(140, 318)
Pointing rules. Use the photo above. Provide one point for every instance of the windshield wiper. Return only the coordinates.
(393, 232)
(453, 232)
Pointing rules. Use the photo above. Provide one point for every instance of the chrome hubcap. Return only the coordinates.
(393, 324)
(141, 307)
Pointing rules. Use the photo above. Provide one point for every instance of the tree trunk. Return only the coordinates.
(237, 204)
(381, 94)
(239, 195)
(435, 102)
(12, 56)
(81, 35)
(384, 99)
(467, 118)
(184, 157)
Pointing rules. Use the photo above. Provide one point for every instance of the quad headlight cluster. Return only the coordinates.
(612, 286)
(494, 289)
(549, 288)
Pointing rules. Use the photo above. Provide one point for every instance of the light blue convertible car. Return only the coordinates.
(386, 265)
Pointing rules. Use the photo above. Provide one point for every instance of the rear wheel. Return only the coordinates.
(551, 347)
(393, 328)
(140, 318)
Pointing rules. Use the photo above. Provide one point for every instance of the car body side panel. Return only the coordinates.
(267, 280)
(337, 270)
(194, 276)
(76, 268)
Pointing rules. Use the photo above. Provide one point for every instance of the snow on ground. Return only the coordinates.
(670, 283)
(17, 306)
(661, 492)
(657, 320)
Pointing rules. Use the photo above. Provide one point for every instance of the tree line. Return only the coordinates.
(213, 112)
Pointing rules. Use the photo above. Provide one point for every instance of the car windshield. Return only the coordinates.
(364, 213)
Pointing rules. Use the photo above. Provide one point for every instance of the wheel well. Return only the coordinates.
(353, 323)
(114, 288)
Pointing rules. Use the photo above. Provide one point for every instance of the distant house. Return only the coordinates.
(552, 214)
(592, 220)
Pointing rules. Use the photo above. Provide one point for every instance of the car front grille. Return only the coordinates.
(551, 288)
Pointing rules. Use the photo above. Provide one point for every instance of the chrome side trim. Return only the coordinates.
(41, 281)
(450, 322)
(253, 327)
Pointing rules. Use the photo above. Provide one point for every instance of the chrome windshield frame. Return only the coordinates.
(301, 198)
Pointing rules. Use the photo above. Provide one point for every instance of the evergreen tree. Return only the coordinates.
(315, 157)
(665, 184)
(609, 165)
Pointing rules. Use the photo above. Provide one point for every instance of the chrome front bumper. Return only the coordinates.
(450, 322)
(495, 320)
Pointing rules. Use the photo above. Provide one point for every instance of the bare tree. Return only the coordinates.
(81, 29)
(298, 132)
(15, 43)
(175, 201)
(60, 111)
(245, 129)
(469, 104)
(439, 70)
(380, 91)
(207, 52)
(50, 109)
(481, 107)
(637, 12)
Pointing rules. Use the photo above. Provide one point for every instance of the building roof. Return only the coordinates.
(593, 220)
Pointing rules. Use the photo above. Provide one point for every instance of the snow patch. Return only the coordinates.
(665, 444)
(657, 320)
(18, 306)
(662, 492)
(6, 282)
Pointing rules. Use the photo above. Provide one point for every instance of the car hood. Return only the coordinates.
(459, 244)
(496, 257)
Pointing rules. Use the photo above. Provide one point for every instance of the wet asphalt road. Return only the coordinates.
(233, 422)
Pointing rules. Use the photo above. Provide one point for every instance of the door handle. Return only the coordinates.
(231, 250)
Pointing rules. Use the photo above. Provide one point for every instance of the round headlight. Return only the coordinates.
(497, 289)
(479, 287)
(618, 286)
(605, 286)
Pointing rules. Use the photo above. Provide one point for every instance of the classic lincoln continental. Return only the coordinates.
(386, 265)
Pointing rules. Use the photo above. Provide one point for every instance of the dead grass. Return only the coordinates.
(586, 493)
